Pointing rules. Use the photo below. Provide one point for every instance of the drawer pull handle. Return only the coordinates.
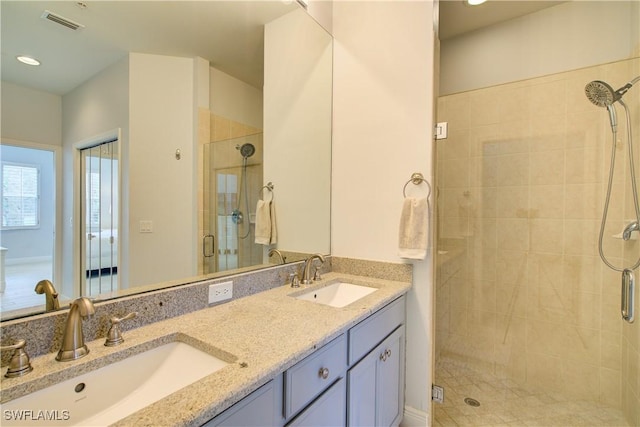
(323, 373)
(385, 355)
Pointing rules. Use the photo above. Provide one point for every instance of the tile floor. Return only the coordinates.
(505, 403)
(19, 297)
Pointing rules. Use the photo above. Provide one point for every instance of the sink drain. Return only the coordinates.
(471, 402)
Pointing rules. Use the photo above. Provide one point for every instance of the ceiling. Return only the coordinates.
(456, 17)
(229, 34)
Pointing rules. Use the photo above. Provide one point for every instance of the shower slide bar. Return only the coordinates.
(628, 296)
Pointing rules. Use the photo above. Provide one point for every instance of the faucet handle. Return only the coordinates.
(20, 363)
(114, 335)
(295, 280)
(317, 276)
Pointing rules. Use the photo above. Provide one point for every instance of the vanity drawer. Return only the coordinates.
(371, 331)
(311, 376)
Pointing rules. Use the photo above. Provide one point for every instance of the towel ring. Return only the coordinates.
(416, 178)
(269, 186)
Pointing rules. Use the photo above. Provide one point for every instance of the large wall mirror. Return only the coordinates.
(158, 143)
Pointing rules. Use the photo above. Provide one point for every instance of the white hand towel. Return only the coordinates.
(263, 222)
(414, 228)
(274, 232)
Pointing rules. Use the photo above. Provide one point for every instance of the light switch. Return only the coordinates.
(146, 226)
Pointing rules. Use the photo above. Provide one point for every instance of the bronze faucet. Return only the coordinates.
(73, 346)
(47, 288)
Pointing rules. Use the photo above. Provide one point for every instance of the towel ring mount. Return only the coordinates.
(416, 178)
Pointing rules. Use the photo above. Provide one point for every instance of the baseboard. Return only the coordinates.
(414, 418)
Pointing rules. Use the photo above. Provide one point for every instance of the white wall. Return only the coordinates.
(537, 44)
(31, 115)
(234, 99)
(162, 189)
(297, 130)
(383, 108)
(96, 107)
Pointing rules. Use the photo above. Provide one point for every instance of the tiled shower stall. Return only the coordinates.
(522, 295)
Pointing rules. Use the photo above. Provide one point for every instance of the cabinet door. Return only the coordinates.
(390, 380)
(376, 385)
(328, 410)
(261, 408)
(361, 399)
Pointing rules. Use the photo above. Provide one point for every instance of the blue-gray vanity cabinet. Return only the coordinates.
(261, 408)
(314, 374)
(327, 410)
(357, 379)
(376, 384)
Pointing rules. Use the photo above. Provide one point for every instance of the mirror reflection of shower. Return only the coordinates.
(246, 150)
(602, 94)
(231, 191)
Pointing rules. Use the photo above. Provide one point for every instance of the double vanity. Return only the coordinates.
(329, 353)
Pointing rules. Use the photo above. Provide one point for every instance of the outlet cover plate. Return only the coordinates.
(220, 292)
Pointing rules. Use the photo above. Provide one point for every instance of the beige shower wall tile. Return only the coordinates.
(484, 107)
(456, 111)
(547, 235)
(581, 237)
(587, 128)
(584, 201)
(483, 296)
(548, 132)
(484, 234)
(611, 351)
(513, 234)
(513, 170)
(514, 103)
(483, 171)
(548, 98)
(512, 202)
(547, 167)
(456, 173)
(456, 146)
(583, 166)
(483, 140)
(511, 267)
(581, 273)
(546, 201)
(220, 128)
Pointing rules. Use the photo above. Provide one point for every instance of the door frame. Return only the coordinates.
(77, 239)
(57, 176)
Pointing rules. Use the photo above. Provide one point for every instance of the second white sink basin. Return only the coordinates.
(108, 394)
(338, 294)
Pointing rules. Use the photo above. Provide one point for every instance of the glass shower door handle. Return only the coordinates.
(208, 238)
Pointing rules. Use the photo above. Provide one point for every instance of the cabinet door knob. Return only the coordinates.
(385, 355)
(323, 373)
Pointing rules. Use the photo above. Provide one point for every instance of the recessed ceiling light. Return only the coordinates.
(27, 60)
(475, 2)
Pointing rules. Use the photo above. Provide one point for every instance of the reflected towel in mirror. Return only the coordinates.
(414, 228)
(266, 232)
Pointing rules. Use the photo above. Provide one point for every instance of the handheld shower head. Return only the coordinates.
(246, 150)
(600, 93)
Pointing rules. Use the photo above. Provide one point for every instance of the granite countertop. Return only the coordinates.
(261, 336)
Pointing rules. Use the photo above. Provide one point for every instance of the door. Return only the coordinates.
(28, 229)
(99, 186)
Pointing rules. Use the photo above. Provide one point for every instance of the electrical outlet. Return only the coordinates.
(220, 292)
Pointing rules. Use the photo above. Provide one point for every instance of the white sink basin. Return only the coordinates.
(108, 394)
(338, 294)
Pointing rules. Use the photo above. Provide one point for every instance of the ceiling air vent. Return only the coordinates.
(53, 17)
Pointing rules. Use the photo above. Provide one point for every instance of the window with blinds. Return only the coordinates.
(20, 196)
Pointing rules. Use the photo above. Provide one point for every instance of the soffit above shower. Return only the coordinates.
(457, 18)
